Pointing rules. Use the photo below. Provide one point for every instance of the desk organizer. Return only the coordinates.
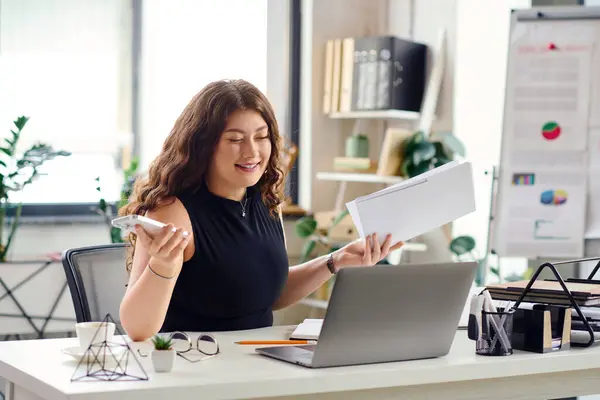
(533, 329)
(496, 333)
(544, 329)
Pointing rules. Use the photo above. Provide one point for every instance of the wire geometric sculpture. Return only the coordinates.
(93, 365)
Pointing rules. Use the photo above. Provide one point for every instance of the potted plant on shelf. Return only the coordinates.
(307, 228)
(163, 354)
(17, 170)
(421, 153)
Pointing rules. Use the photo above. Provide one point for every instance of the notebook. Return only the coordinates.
(309, 329)
(418, 205)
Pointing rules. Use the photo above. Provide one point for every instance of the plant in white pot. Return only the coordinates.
(163, 354)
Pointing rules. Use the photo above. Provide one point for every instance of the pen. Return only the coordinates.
(261, 342)
(497, 325)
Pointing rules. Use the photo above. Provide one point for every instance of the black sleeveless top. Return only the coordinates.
(238, 269)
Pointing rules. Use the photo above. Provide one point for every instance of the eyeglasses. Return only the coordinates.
(206, 344)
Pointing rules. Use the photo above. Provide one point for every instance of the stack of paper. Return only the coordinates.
(417, 205)
(548, 292)
(309, 329)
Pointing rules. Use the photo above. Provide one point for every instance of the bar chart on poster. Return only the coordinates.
(547, 200)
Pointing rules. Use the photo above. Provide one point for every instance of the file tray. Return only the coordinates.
(545, 328)
(555, 317)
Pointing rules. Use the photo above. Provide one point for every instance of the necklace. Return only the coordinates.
(244, 204)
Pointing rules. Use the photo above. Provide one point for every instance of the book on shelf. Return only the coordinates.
(362, 165)
(374, 73)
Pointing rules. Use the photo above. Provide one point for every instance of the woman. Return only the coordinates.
(221, 262)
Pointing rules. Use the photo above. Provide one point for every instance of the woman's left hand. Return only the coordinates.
(364, 252)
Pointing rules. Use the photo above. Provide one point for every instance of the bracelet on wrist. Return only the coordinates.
(330, 264)
(159, 275)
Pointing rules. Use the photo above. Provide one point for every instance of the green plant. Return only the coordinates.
(465, 245)
(162, 343)
(306, 228)
(421, 153)
(109, 210)
(17, 170)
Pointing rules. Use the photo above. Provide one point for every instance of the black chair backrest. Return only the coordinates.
(97, 280)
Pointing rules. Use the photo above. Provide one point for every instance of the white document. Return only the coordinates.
(417, 205)
(309, 329)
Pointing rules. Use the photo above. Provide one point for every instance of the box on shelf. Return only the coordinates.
(343, 231)
(354, 165)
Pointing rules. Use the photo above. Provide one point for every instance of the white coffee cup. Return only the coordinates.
(99, 332)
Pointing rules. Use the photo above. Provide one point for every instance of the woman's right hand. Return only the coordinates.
(164, 248)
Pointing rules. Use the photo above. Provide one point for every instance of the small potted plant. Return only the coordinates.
(163, 354)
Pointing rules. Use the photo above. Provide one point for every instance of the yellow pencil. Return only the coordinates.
(268, 342)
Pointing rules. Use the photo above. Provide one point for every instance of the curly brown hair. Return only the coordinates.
(187, 152)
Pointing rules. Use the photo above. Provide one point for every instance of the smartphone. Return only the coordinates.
(128, 222)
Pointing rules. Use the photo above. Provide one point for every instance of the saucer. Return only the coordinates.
(78, 353)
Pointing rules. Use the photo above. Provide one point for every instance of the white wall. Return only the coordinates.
(422, 21)
(479, 79)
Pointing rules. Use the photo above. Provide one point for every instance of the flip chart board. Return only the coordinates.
(547, 200)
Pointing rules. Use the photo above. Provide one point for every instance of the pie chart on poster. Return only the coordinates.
(553, 197)
(551, 130)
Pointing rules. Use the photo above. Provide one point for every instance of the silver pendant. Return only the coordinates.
(243, 205)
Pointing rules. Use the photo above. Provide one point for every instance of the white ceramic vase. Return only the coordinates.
(163, 360)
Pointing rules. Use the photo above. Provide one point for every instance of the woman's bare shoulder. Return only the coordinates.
(170, 210)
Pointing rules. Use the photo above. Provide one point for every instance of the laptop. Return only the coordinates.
(387, 313)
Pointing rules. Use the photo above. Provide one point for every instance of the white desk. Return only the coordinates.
(38, 370)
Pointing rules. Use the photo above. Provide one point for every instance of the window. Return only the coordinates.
(99, 78)
(187, 44)
(295, 50)
(65, 65)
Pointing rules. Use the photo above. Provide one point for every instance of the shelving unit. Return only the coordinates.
(316, 31)
(358, 177)
(344, 177)
(378, 114)
(316, 303)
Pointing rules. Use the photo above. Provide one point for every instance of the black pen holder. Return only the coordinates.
(496, 333)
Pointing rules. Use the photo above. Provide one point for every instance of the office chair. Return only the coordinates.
(97, 280)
